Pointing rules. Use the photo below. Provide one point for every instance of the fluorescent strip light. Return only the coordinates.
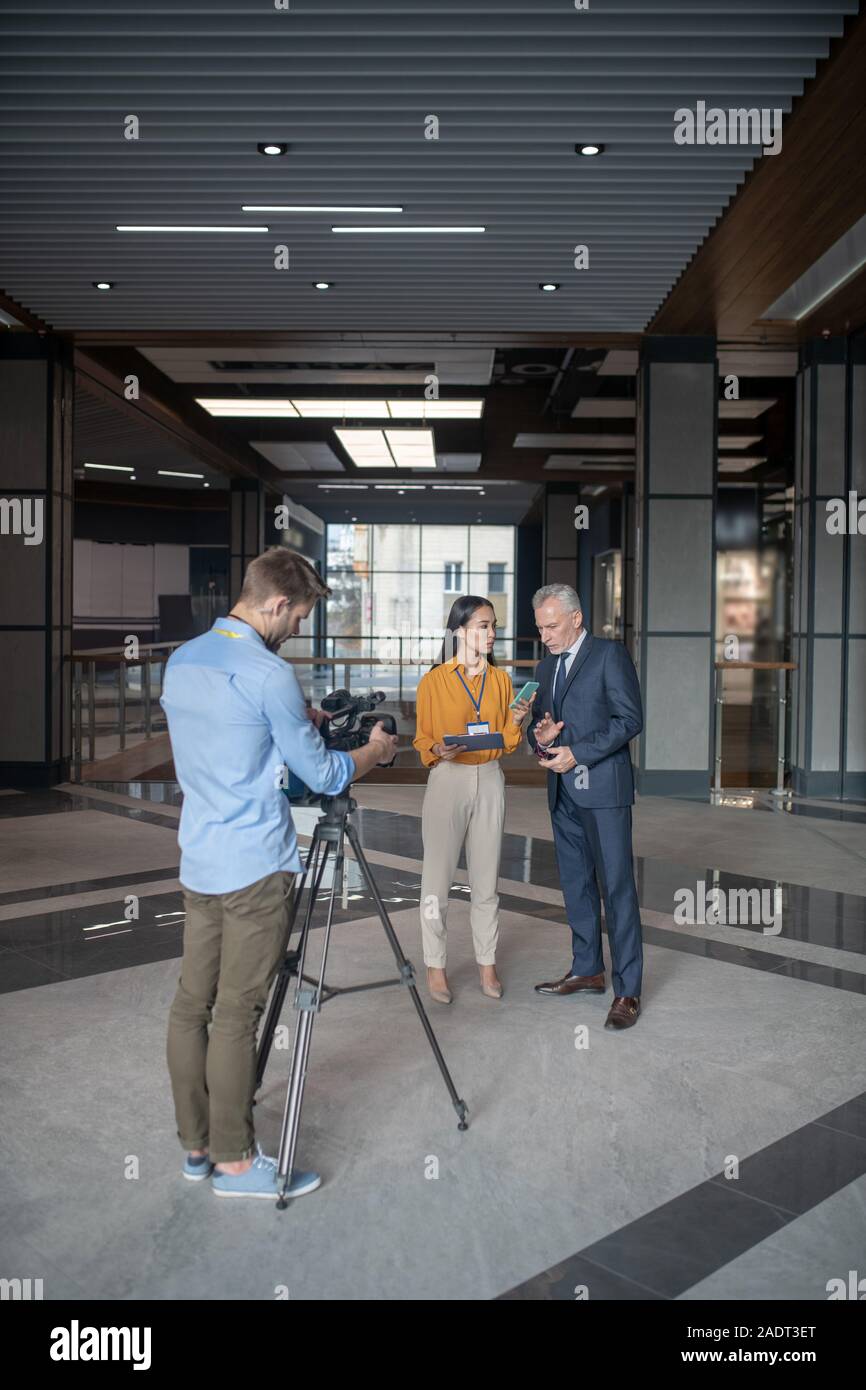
(294, 207)
(408, 231)
(401, 487)
(237, 406)
(412, 448)
(457, 487)
(170, 473)
(366, 448)
(342, 487)
(144, 227)
(363, 408)
(436, 410)
(341, 410)
(111, 467)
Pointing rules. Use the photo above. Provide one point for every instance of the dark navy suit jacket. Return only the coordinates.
(600, 705)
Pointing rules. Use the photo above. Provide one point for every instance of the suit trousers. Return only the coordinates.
(464, 804)
(590, 841)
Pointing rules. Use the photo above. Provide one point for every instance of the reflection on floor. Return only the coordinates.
(592, 1160)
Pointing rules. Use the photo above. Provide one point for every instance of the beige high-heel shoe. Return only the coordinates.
(492, 991)
(442, 996)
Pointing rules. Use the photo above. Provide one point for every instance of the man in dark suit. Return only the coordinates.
(586, 710)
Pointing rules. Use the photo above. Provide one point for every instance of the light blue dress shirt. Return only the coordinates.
(236, 716)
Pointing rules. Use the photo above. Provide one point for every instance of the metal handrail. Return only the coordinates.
(85, 662)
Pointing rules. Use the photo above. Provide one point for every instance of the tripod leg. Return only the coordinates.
(314, 870)
(308, 1002)
(407, 972)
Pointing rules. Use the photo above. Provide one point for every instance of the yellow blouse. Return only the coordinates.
(443, 707)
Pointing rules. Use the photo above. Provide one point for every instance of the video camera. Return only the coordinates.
(350, 722)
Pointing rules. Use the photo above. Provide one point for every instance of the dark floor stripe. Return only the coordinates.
(686, 1240)
(55, 938)
(86, 885)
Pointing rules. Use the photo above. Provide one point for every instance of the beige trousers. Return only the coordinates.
(463, 804)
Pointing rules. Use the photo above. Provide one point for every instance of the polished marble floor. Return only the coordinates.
(603, 1164)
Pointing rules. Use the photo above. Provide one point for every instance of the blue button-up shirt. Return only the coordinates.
(236, 717)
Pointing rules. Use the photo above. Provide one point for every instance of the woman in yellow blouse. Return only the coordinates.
(465, 798)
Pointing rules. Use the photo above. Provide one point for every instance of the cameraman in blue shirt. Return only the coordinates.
(237, 719)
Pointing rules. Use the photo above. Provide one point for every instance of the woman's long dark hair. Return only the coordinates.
(461, 610)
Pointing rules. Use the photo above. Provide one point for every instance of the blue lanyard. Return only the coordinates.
(476, 704)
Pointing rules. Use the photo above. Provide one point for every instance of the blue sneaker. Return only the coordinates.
(196, 1169)
(262, 1180)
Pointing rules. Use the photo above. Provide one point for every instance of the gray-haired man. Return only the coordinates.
(587, 709)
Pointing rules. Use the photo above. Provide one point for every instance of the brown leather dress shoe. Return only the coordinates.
(624, 1012)
(574, 984)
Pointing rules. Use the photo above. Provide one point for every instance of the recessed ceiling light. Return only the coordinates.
(132, 477)
(103, 284)
(548, 286)
(388, 448)
(436, 410)
(363, 407)
(158, 227)
(207, 484)
(335, 408)
(322, 284)
(412, 448)
(366, 448)
(238, 405)
(590, 149)
(271, 147)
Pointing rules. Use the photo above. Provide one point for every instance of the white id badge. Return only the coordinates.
(482, 727)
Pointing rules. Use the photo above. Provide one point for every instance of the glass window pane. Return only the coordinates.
(348, 546)
(395, 604)
(349, 610)
(444, 544)
(491, 543)
(502, 601)
(435, 605)
(397, 548)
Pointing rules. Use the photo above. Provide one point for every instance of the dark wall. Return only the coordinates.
(135, 523)
(529, 578)
(738, 518)
(603, 533)
(149, 525)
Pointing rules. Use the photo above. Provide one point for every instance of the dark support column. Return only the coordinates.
(561, 536)
(627, 543)
(36, 396)
(828, 714)
(246, 529)
(675, 563)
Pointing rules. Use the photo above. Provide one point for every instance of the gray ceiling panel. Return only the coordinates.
(349, 86)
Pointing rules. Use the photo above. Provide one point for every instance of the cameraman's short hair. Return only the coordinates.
(567, 596)
(281, 573)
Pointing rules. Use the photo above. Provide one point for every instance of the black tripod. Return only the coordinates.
(330, 832)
